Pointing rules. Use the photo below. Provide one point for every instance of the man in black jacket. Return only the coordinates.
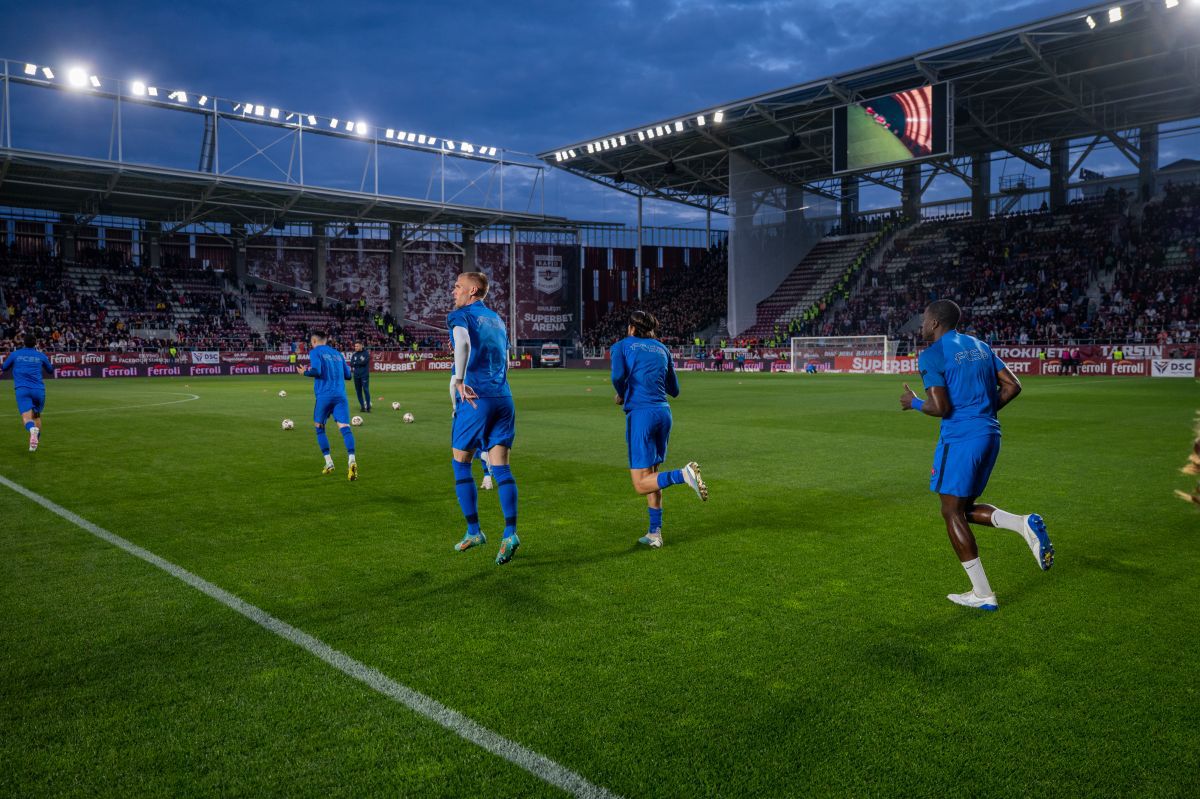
(360, 366)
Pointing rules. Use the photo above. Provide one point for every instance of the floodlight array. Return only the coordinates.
(645, 134)
(81, 78)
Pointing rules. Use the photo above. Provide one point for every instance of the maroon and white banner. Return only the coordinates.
(205, 356)
(547, 289)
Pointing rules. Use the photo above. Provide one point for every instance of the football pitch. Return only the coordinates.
(792, 638)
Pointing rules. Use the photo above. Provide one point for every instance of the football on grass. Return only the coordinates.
(283, 393)
(395, 406)
(287, 424)
(409, 418)
(356, 420)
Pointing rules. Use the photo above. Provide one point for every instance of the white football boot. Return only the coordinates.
(973, 600)
(691, 476)
(1038, 538)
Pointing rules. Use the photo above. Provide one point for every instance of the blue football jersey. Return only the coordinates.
(487, 365)
(27, 365)
(642, 373)
(329, 370)
(969, 370)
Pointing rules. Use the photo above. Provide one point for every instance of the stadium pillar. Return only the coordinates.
(66, 247)
(470, 263)
(981, 187)
(1059, 167)
(910, 198)
(849, 200)
(637, 253)
(154, 234)
(239, 252)
(321, 278)
(396, 272)
(1148, 161)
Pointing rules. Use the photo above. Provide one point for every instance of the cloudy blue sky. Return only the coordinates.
(528, 76)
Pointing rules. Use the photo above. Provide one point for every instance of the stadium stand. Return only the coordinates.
(1093, 272)
(688, 302)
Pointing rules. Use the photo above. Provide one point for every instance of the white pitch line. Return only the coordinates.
(188, 398)
(539, 766)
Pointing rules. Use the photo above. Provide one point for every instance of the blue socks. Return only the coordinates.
(468, 496)
(30, 425)
(506, 487)
(672, 478)
(347, 438)
(655, 520)
(322, 441)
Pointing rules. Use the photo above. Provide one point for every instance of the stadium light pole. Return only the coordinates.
(7, 118)
(300, 144)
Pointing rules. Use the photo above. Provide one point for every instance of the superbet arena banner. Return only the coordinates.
(547, 294)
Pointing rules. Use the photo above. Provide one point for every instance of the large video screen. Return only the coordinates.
(889, 130)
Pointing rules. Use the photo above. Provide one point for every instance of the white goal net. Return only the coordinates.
(853, 354)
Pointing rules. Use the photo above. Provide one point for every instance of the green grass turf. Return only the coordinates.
(791, 639)
(869, 144)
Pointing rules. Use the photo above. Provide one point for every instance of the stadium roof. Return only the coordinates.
(86, 187)
(1091, 72)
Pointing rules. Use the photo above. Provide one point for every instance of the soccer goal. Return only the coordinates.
(856, 354)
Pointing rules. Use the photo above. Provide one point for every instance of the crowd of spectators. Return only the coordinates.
(1094, 271)
(687, 302)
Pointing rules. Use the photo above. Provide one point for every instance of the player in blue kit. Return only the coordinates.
(967, 385)
(484, 418)
(329, 371)
(28, 365)
(643, 376)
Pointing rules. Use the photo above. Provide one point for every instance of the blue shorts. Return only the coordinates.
(331, 406)
(491, 423)
(962, 468)
(30, 400)
(647, 431)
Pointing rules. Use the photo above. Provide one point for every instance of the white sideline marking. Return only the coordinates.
(188, 398)
(538, 765)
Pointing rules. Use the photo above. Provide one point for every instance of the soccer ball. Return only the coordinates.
(283, 393)
(356, 420)
(395, 406)
(409, 418)
(287, 424)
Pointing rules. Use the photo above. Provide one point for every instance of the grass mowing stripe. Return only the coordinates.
(187, 398)
(538, 765)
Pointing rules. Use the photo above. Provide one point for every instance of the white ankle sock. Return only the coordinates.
(979, 581)
(1008, 521)
(328, 460)
(352, 459)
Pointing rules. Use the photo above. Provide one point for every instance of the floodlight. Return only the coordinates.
(468, 148)
(700, 120)
(259, 110)
(401, 135)
(412, 137)
(290, 117)
(389, 133)
(432, 141)
(590, 149)
(153, 92)
(274, 113)
(203, 99)
(492, 152)
(95, 81)
(650, 133)
(421, 139)
(641, 136)
(312, 121)
(49, 73)
(31, 69)
(1172, 3)
(138, 87)
(1091, 23)
(349, 126)
(333, 122)
(76, 77)
(571, 153)
(558, 156)
(719, 116)
(622, 140)
(360, 128)
(604, 144)
(679, 127)
(181, 96)
(449, 144)
(1114, 14)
